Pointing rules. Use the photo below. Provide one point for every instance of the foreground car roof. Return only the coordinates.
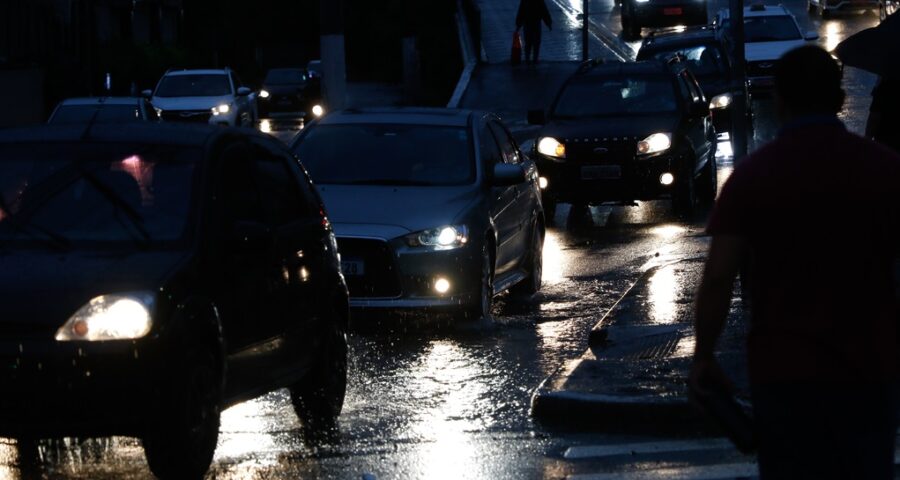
(101, 101)
(404, 115)
(679, 36)
(199, 71)
(162, 134)
(615, 68)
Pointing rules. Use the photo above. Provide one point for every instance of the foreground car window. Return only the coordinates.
(106, 114)
(84, 194)
(388, 155)
(701, 59)
(616, 96)
(770, 29)
(193, 86)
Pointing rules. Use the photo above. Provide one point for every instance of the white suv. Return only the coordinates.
(213, 96)
(770, 31)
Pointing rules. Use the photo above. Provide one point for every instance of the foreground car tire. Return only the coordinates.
(709, 181)
(684, 199)
(319, 398)
(482, 307)
(183, 439)
(535, 264)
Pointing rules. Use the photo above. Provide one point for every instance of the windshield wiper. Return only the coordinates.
(116, 201)
(52, 238)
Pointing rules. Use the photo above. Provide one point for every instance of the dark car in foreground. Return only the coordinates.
(103, 110)
(704, 52)
(433, 209)
(637, 14)
(154, 275)
(625, 131)
(290, 92)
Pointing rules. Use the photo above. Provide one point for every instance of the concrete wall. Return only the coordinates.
(21, 96)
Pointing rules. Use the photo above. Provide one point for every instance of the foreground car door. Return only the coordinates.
(520, 210)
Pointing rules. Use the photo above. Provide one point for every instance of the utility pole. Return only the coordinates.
(739, 81)
(334, 69)
(585, 25)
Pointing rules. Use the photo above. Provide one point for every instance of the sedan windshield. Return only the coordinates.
(387, 155)
(703, 60)
(770, 29)
(86, 193)
(601, 97)
(104, 114)
(285, 77)
(200, 85)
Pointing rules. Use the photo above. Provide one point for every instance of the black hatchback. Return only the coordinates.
(151, 276)
(619, 132)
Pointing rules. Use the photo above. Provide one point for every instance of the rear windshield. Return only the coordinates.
(702, 60)
(770, 29)
(200, 85)
(92, 193)
(602, 97)
(285, 77)
(105, 114)
(387, 155)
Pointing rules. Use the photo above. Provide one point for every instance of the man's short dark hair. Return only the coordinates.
(808, 80)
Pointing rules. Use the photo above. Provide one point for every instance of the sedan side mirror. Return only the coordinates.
(147, 93)
(506, 175)
(537, 117)
(251, 236)
(811, 35)
(243, 91)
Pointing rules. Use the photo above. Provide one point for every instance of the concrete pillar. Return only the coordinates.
(334, 68)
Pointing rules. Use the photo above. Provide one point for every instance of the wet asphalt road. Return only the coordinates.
(429, 400)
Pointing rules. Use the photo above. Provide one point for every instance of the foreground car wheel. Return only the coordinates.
(482, 307)
(319, 398)
(182, 441)
(685, 197)
(535, 264)
(709, 181)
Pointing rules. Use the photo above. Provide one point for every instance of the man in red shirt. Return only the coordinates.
(814, 217)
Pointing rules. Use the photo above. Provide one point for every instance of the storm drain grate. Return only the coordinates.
(661, 345)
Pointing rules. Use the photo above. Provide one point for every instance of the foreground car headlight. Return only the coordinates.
(441, 238)
(720, 101)
(221, 109)
(110, 317)
(263, 94)
(658, 142)
(317, 110)
(551, 147)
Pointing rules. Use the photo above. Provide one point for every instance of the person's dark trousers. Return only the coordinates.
(532, 32)
(826, 431)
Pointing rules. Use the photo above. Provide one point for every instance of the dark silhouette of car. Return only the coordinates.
(103, 110)
(626, 131)
(290, 92)
(637, 14)
(153, 275)
(433, 209)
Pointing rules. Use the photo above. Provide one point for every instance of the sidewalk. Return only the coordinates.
(635, 372)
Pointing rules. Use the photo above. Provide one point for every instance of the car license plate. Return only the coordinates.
(672, 11)
(601, 172)
(353, 267)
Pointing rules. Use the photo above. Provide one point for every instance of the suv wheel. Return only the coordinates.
(319, 398)
(181, 442)
(709, 181)
(684, 199)
(531, 284)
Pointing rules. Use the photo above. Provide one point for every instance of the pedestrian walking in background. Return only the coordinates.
(883, 124)
(531, 14)
(823, 339)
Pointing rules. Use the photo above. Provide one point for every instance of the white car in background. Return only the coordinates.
(770, 31)
(204, 96)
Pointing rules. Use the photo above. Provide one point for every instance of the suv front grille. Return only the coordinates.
(191, 116)
(380, 277)
(763, 68)
(601, 151)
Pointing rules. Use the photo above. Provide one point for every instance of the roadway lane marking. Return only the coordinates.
(600, 451)
(707, 472)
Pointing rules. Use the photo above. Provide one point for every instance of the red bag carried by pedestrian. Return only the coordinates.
(516, 54)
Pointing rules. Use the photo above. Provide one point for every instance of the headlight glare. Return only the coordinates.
(221, 109)
(441, 238)
(263, 94)
(720, 101)
(551, 147)
(317, 110)
(110, 317)
(658, 142)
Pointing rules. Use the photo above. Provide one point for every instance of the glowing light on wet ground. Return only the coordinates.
(247, 429)
(663, 288)
(554, 271)
(833, 35)
(668, 231)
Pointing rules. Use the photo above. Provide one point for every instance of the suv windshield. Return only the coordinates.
(770, 29)
(601, 97)
(199, 85)
(387, 155)
(93, 193)
(702, 60)
(285, 77)
(107, 114)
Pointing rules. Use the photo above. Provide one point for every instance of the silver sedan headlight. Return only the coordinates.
(110, 317)
(441, 238)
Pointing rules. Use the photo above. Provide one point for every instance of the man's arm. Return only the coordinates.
(713, 299)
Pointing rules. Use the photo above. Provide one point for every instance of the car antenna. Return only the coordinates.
(90, 124)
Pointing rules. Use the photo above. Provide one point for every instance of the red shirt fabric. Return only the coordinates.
(819, 209)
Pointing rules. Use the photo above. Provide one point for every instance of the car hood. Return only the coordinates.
(637, 126)
(190, 103)
(390, 212)
(284, 89)
(757, 51)
(41, 290)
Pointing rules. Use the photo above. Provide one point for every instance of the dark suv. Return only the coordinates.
(627, 131)
(637, 14)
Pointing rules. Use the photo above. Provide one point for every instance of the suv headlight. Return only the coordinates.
(720, 101)
(441, 238)
(655, 143)
(551, 147)
(110, 317)
(263, 94)
(221, 109)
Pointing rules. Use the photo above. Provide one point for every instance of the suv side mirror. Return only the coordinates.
(811, 35)
(506, 175)
(537, 117)
(147, 93)
(243, 91)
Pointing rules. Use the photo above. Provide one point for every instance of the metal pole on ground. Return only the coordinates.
(585, 25)
(739, 118)
(334, 69)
